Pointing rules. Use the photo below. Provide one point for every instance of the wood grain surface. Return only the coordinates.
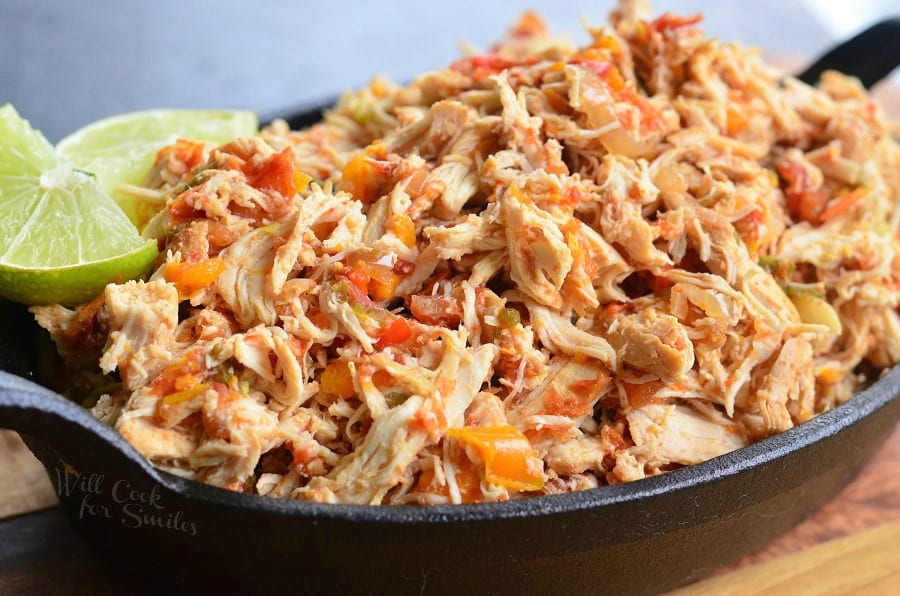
(872, 499)
(24, 486)
(864, 563)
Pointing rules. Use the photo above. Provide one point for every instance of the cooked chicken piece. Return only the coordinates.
(278, 359)
(300, 247)
(788, 386)
(142, 320)
(570, 388)
(560, 334)
(652, 342)
(632, 126)
(335, 301)
(622, 221)
(433, 133)
(596, 271)
(677, 433)
(474, 233)
(243, 283)
(244, 430)
(579, 455)
(486, 409)
(522, 131)
(154, 442)
(540, 258)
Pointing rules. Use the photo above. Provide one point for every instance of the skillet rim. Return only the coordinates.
(864, 404)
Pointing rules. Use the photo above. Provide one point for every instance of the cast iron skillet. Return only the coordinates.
(641, 537)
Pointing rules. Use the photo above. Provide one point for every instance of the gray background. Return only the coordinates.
(65, 63)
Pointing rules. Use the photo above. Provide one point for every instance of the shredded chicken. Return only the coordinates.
(540, 270)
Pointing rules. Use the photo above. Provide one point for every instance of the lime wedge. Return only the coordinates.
(120, 149)
(62, 238)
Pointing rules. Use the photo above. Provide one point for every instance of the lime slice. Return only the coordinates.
(120, 149)
(62, 238)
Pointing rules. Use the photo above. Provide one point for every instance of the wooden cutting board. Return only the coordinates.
(24, 486)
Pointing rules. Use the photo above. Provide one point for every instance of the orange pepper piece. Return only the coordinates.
(191, 277)
(509, 459)
(382, 281)
(358, 178)
(337, 381)
(402, 226)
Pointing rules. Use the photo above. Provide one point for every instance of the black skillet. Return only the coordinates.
(641, 537)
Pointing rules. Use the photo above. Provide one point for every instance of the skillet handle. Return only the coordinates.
(63, 435)
(870, 56)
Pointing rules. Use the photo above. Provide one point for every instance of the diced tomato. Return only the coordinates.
(276, 174)
(382, 378)
(394, 332)
(182, 211)
(378, 281)
(404, 268)
(805, 202)
(319, 319)
(355, 294)
(807, 205)
(190, 153)
(191, 363)
(749, 228)
(669, 21)
(482, 66)
(436, 310)
(579, 398)
(358, 275)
